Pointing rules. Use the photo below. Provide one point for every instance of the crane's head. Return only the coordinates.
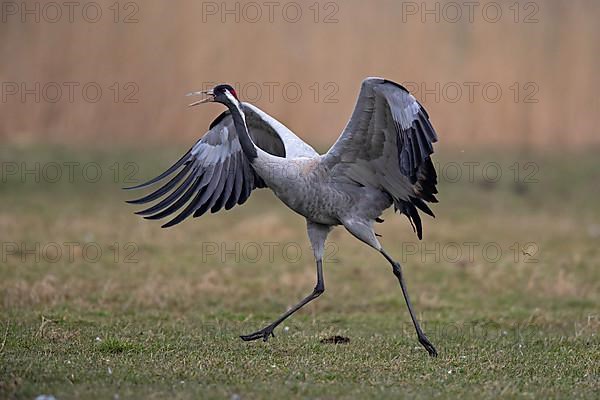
(224, 94)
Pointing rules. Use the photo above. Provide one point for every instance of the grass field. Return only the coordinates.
(98, 303)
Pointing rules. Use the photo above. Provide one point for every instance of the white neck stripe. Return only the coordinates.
(236, 103)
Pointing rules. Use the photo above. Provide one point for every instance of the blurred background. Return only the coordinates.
(518, 73)
(93, 99)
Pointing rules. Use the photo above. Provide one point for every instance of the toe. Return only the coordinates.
(250, 337)
(428, 346)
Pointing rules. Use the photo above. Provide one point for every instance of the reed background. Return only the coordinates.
(549, 49)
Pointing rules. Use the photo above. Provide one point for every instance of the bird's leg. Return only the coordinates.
(317, 234)
(268, 330)
(397, 269)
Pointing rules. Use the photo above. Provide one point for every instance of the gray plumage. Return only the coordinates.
(382, 158)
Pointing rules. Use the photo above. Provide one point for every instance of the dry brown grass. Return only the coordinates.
(170, 273)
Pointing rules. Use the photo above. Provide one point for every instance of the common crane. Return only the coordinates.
(382, 158)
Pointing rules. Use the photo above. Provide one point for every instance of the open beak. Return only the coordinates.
(210, 98)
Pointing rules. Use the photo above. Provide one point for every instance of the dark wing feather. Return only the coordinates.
(180, 201)
(227, 186)
(237, 185)
(170, 199)
(184, 159)
(213, 174)
(158, 193)
(387, 144)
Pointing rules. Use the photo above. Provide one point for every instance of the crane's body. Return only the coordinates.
(303, 185)
(381, 159)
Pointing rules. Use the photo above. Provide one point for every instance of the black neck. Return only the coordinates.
(242, 131)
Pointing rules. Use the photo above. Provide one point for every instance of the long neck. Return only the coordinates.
(239, 120)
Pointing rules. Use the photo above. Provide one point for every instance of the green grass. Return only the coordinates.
(152, 317)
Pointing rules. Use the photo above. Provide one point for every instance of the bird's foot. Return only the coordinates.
(263, 333)
(428, 346)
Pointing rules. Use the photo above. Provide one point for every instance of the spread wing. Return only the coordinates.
(387, 144)
(212, 175)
